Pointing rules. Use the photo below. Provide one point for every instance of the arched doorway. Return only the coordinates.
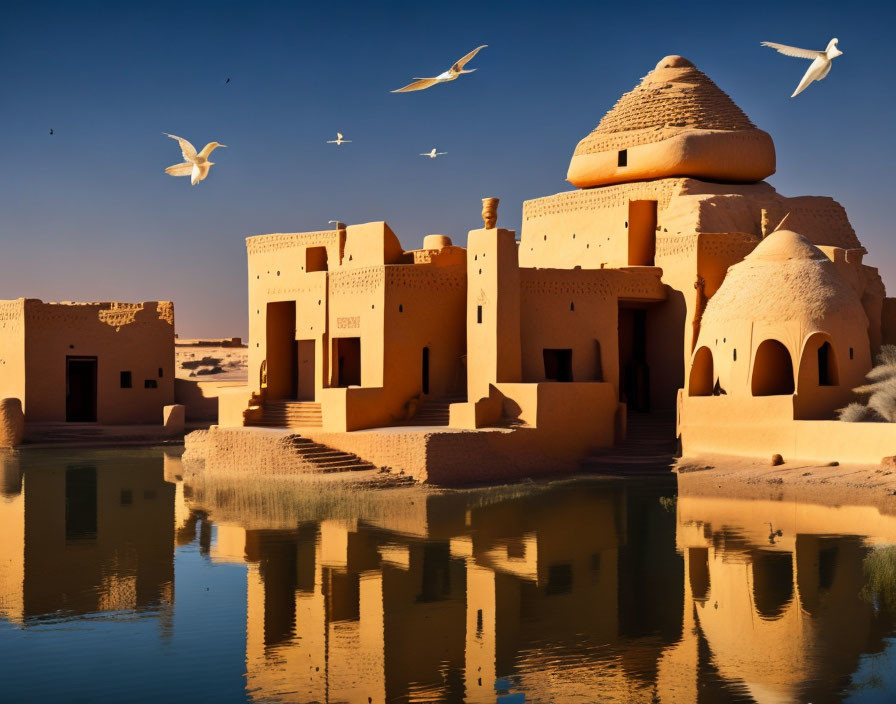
(702, 377)
(772, 370)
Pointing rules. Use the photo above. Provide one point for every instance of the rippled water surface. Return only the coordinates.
(123, 580)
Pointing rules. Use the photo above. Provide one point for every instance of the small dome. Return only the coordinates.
(676, 122)
(784, 279)
(436, 241)
(674, 61)
(783, 245)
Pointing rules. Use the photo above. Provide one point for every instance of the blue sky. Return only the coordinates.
(88, 214)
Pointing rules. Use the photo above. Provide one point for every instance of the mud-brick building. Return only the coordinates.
(673, 280)
(109, 363)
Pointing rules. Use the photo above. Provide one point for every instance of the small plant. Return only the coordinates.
(859, 413)
(879, 568)
(669, 503)
(881, 392)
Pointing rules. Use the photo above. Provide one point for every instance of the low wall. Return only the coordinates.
(201, 397)
(232, 403)
(714, 424)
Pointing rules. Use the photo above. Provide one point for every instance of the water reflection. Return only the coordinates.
(84, 537)
(572, 592)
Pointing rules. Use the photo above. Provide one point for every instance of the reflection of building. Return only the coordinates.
(83, 538)
(775, 590)
(91, 362)
(472, 602)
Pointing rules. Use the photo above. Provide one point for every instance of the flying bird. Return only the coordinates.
(821, 61)
(196, 165)
(51, 130)
(339, 141)
(433, 154)
(227, 81)
(451, 74)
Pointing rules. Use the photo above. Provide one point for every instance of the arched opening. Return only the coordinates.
(698, 572)
(772, 582)
(701, 380)
(772, 370)
(827, 366)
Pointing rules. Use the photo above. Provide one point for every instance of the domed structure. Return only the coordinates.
(677, 122)
(783, 309)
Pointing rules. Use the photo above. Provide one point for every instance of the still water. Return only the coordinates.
(123, 581)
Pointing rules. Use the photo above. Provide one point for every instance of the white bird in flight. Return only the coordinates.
(196, 165)
(451, 74)
(821, 61)
(433, 154)
(339, 141)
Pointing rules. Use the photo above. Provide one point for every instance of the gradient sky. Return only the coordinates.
(88, 214)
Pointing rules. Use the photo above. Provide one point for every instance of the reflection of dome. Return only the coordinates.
(677, 122)
(785, 279)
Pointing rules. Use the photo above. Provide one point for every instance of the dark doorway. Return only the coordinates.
(348, 361)
(426, 370)
(557, 365)
(80, 389)
(282, 350)
(306, 377)
(80, 503)
(634, 374)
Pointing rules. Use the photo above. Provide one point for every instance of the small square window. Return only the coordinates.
(150, 384)
(126, 382)
(623, 158)
(478, 314)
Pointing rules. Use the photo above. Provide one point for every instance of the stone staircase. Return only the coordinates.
(289, 414)
(325, 459)
(433, 411)
(648, 449)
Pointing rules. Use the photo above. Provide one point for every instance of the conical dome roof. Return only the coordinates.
(676, 122)
(785, 278)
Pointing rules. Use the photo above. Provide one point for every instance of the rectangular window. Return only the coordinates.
(478, 314)
(126, 381)
(150, 384)
(557, 365)
(316, 259)
(623, 157)
(161, 373)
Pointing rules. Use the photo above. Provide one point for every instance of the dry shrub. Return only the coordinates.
(881, 391)
(879, 568)
(859, 413)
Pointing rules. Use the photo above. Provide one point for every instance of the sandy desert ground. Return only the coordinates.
(803, 481)
(210, 362)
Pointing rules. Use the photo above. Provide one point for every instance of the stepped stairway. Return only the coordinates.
(433, 411)
(649, 448)
(290, 414)
(325, 459)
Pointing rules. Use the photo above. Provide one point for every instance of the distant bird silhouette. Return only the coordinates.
(339, 141)
(450, 75)
(51, 130)
(433, 154)
(772, 534)
(196, 165)
(821, 61)
(227, 81)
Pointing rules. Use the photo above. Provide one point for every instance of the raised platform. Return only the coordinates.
(431, 454)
